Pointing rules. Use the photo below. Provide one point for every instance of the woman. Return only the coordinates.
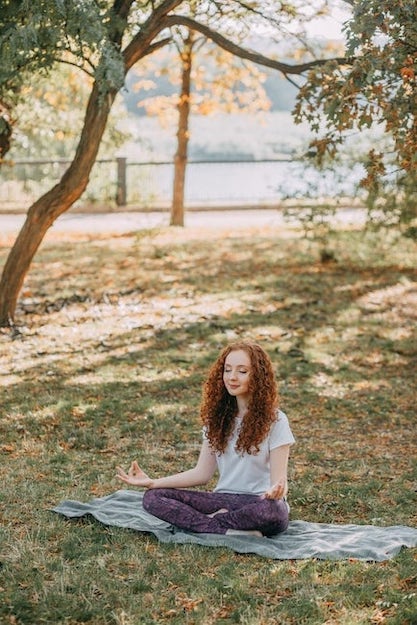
(246, 438)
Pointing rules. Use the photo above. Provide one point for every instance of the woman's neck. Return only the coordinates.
(242, 407)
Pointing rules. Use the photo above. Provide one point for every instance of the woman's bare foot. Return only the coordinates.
(245, 533)
(221, 511)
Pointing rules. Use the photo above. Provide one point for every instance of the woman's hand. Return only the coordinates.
(277, 491)
(135, 476)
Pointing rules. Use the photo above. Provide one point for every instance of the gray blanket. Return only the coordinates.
(301, 540)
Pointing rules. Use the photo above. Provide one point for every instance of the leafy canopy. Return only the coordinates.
(96, 36)
(377, 87)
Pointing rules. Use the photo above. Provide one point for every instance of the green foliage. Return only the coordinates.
(35, 35)
(377, 86)
(51, 113)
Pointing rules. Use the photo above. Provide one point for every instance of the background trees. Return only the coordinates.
(377, 88)
(374, 84)
(34, 36)
(106, 39)
(49, 116)
(197, 68)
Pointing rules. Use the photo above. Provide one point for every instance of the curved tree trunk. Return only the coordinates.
(45, 211)
(180, 159)
(56, 201)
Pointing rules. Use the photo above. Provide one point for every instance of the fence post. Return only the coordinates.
(121, 189)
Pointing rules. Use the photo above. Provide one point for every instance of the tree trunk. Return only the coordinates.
(44, 211)
(180, 159)
(5, 130)
(56, 201)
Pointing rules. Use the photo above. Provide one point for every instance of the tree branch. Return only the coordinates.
(290, 80)
(122, 8)
(158, 44)
(73, 64)
(236, 50)
(151, 28)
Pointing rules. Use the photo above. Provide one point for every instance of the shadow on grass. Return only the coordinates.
(115, 373)
(346, 426)
(341, 337)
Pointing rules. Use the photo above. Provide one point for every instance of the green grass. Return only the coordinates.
(115, 336)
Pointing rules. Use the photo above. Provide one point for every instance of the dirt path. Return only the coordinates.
(121, 222)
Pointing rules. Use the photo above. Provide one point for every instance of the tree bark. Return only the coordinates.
(181, 155)
(5, 130)
(243, 53)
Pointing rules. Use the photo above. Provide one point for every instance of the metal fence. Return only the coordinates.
(148, 185)
(24, 181)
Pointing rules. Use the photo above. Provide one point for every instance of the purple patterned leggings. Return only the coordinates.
(189, 510)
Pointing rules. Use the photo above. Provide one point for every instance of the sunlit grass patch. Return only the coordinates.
(115, 373)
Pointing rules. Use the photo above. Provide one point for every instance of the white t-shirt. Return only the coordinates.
(250, 473)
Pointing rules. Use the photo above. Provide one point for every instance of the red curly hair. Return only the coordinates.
(219, 409)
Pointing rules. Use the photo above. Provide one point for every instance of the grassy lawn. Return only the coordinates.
(115, 336)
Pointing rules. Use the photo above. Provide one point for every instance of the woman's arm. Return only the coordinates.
(197, 476)
(278, 470)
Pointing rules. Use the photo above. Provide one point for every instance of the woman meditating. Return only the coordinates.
(246, 438)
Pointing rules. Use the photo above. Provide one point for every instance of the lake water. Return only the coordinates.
(258, 180)
(231, 183)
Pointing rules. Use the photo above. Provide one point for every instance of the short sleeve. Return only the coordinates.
(281, 433)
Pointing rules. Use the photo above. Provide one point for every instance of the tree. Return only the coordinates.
(49, 117)
(106, 39)
(205, 88)
(379, 87)
(180, 159)
(5, 130)
(33, 37)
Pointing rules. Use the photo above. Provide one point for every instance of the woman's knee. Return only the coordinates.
(151, 498)
(279, 517)
(273, 515)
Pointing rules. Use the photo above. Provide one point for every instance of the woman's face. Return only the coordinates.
(236, 373)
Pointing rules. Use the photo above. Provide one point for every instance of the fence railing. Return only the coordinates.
(148, 185)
